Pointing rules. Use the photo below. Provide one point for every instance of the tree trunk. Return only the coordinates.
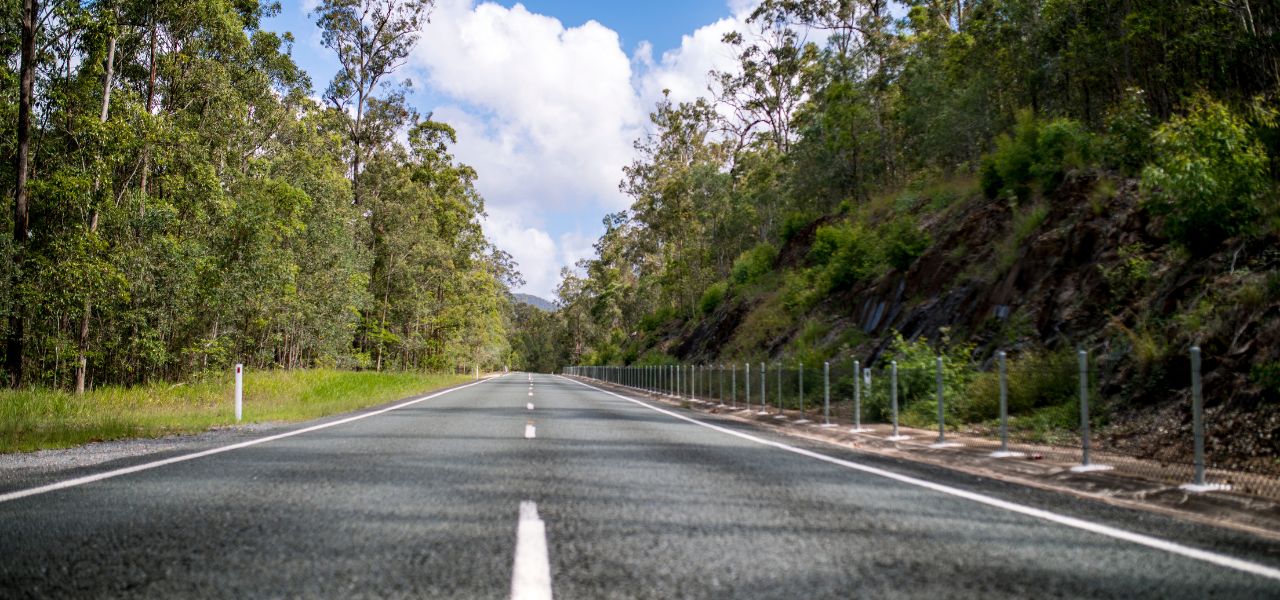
(82, 364)
(151, 99)
(21, 214)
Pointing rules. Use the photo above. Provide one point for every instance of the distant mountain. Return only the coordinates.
(535, 302)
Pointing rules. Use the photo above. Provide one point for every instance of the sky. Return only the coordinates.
(547, 97)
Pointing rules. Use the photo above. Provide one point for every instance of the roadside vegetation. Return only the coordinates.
(978, 176)
(181, 197)
(37, 418)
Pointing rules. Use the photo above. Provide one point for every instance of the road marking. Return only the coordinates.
(529, 406)
(1221, 560)
(531, 574)
(530, 431)
(212, 451)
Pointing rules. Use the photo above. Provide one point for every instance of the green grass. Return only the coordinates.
(34, 419)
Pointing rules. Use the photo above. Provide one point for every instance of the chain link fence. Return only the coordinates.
(1045, 408)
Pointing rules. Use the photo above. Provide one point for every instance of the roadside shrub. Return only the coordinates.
(1008, 169)
(917, 376)
(1208, 176)
(1036, 380)
(1034, 157)
(713, 296)
(904, 242)
(655, 319)
(1126, 142)
(793, 222)
(754, 263)
(1062, 145)
(798, 291)
(846, 253)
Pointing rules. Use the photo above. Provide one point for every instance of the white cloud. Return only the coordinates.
(684, 70)
(557, 103)
(547, 115)
(533, 249)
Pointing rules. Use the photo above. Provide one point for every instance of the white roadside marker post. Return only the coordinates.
(239, 389)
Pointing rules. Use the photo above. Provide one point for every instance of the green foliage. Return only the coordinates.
(1128, 127)
(1035, 381)
(917, 374)
(1266, 376)
(713, 296)
(800, 290)
(1130, 274)
(657, 318)
(1208, 176)
(793, 224)
(751, 265)
(200, 212)
(845, 253)
(1034, 157)
(762, 326)
(904, 242)
(1025, 222)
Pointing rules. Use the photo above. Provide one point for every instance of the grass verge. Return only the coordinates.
(34, 419)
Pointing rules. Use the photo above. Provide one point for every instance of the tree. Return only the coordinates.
(372, 38)
(21, 168)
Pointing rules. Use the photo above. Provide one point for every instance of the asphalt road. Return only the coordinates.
(425, 501)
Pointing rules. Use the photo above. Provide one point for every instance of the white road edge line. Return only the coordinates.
(531, 574)
(1098, 528)
(60, 485)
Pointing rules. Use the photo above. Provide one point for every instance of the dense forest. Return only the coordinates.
(184, 197)
(1028, 175)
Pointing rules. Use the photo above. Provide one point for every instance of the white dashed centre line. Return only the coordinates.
(530, 431)
(529, 406)
(531, 575)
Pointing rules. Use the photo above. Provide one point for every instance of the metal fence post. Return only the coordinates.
(1004, 410)
(826, 394)
(780, 413)
(1197, 429)
(764, 404)
(942, 430)
(857, 397)
(746, 379)
(720, 377)
(1085, 463)
(800, 386)
(893, 400)
(733, 389)
(1197, 414)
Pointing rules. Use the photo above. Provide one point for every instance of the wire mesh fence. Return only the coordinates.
(1050, 410)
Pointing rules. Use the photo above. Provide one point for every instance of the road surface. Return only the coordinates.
(473, 494)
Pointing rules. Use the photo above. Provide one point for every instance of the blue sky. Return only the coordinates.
(547, 97)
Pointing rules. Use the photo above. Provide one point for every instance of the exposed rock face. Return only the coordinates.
(1092, 273)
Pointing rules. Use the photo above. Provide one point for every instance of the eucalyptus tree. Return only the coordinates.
(371, 38)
